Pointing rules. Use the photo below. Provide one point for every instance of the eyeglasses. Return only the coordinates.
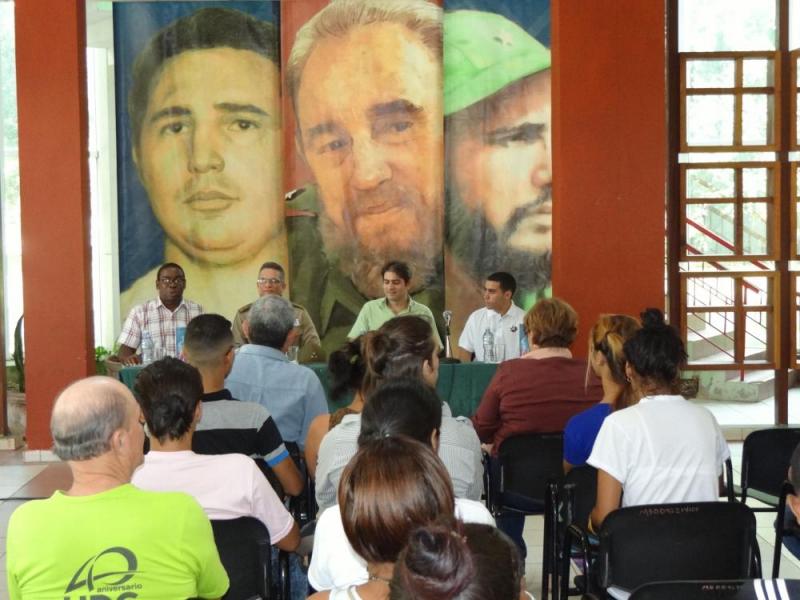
(270, 281)
(171, 280)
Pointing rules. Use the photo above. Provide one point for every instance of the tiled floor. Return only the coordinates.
(31, 480)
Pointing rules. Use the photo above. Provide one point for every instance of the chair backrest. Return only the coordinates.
(244, 549)
(529, 461)
(765, 458)
(752, 589)
(668, 542)
(580, 491)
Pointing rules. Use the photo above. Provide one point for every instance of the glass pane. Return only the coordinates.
(756, 119)
(756, 291)
(756, 183)
(749, 156)
(797, 117)
(709, 291)
(710, 337)
(710, 73)
(756, 227)
(756, 336)
(710, 25)
(709, 183)
(794, 25)
(709, 228)
(757, 72)
(709, 120)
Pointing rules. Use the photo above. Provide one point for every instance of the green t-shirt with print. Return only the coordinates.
(121, 544)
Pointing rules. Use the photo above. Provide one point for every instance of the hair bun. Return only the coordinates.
(652, 318)
(437, 564)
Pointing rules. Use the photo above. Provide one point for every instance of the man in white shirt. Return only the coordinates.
(500, 316)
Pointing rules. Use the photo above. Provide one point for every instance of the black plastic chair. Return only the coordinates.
(574, 501)
(785, 524)
(518, 482)
(765, 463)
(750, 589)
(669, 542)
(766, 454)
(244, 550)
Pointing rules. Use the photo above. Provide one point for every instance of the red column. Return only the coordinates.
(54, 189)
(609, 156)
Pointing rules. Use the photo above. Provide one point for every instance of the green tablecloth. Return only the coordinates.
(460, 385)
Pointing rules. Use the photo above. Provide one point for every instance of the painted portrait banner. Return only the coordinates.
(198, 147)
(382, 130)
(497, 148)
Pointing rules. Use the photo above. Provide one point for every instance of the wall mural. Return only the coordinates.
(331, 138)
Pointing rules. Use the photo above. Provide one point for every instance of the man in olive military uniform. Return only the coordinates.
(272, 280)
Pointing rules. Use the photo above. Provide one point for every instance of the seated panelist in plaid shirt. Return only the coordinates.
(163, 317)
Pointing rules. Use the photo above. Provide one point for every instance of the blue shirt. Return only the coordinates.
(581, 431)
(291, 393)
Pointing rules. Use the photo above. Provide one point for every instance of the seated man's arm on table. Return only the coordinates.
(270, 445)
(466, 341)
(361, 326)
(130, 338)
(310, 344)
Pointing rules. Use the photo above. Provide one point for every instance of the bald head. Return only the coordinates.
(85, 416)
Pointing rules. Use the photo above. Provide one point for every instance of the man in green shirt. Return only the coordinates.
(373, 314)
(104, 538)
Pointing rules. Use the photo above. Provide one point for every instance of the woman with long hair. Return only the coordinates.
(606, 361)
(402, 348)
(663, 449)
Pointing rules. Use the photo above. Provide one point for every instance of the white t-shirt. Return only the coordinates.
(506, 328)
(662, 450)
(227, 486)
(334, 563)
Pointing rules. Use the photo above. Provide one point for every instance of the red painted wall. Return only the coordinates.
(54, 187)
(609, 156)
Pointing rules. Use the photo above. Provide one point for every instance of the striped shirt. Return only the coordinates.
(161, 322)
(459, 449)
(228, 425)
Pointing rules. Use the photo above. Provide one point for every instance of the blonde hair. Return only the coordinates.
(608, 336)
(552, 323)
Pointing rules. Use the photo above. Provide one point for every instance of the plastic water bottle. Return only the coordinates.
(488, 346)
(524, 346)
(147, 348)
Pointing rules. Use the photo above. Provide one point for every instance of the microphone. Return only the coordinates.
(448, 316)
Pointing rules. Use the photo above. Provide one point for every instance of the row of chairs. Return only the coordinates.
(527, 478)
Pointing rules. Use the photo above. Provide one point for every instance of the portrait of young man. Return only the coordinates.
(498, 168)
(364, 77)
(199, 149)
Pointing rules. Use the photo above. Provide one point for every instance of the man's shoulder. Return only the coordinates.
(244, 310)
(477, 315)
(193, 306)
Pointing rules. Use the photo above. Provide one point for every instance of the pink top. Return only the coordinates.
(227, 486)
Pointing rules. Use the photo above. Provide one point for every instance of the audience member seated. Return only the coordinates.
(392, 485)
(272, 280)
(457, 561)
(159, 545)
(261, 372)
(607, 361)
(229, 425)
(402, 347)
(663, 449)
(791, 535)
(345, 378)
(161, 318)
(227, 486)
(538, 392)
(542, 390)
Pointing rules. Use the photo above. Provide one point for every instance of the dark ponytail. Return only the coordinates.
(656, 352)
